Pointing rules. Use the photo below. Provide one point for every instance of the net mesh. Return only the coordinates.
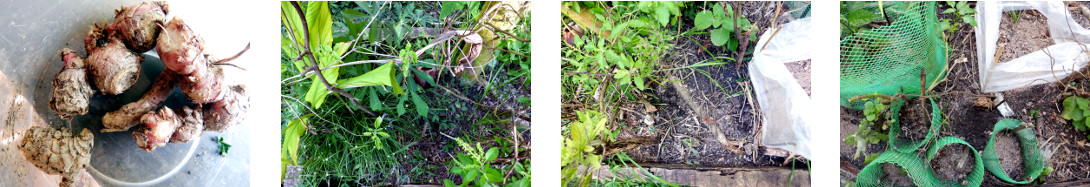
(919, 169)
(1032, 158)
(890, 59)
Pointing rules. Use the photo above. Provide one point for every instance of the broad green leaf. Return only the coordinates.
(290, 19)
(420, 105)
(317, 93)
(449, 7)
(448, 182)
(493, 175)
(1082, 103)
(639, 83)
(662, 13)
(383, 75)
(491, 154)
(341, 48)
(355, 15)
(703, 20)
(378, 142)
(639, 23)
(292, 132)
(401, 104)
(1074, 114)
(719, 16)
(733, 44)
(373, 97)
(319, 23)
(720, 36)
(470, 176)
(423, 76)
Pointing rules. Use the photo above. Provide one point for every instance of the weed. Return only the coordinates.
(1077, 109)
(963, 14)
(222, 145)
(875, 114)
(579, 146)
(375, 60)
(723, 22)
(854, 15)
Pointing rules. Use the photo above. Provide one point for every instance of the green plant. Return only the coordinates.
(377, 133)
(289, 154)
(723, 22)
(628, 47)
(875, 114)
(855, 14)
(963, 14)
(663, 11)
(222, 145)
(578, 149)
(1014, 15)
(1077, 109)
(474, 165)
(381, 63)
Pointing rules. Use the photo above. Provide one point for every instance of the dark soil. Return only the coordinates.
(915, 119)
(702, 119)
(953, 162)
(1009, 151)
(895, 176)
(801, 71)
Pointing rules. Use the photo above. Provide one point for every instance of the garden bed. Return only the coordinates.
(705, 116)
(970, 114)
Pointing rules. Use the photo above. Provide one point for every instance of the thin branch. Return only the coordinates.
(314, 66)
(507, 33)
(512, 52)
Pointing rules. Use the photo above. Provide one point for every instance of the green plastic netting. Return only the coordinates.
(922, 175)
(897, 143)
(918, 169)
(889, 59)
(1032, 158)
(974, 178)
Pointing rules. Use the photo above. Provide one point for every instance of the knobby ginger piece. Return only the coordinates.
(192, 125)
(222, 115)
(113, 67)
(180, 49)
(71, 91)
(128, 115)
(138, 25)
(58, 151)
(156, 129)
(205, 87)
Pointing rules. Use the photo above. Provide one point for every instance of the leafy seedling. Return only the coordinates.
(376, 133)
(874, 114)
(963, 14)
(222, 145)
(1077, 109)
(722, 22)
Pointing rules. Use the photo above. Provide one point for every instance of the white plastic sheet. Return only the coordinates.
(1039, 67)
(783, 102)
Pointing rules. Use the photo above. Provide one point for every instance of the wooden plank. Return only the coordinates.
(711, 177)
